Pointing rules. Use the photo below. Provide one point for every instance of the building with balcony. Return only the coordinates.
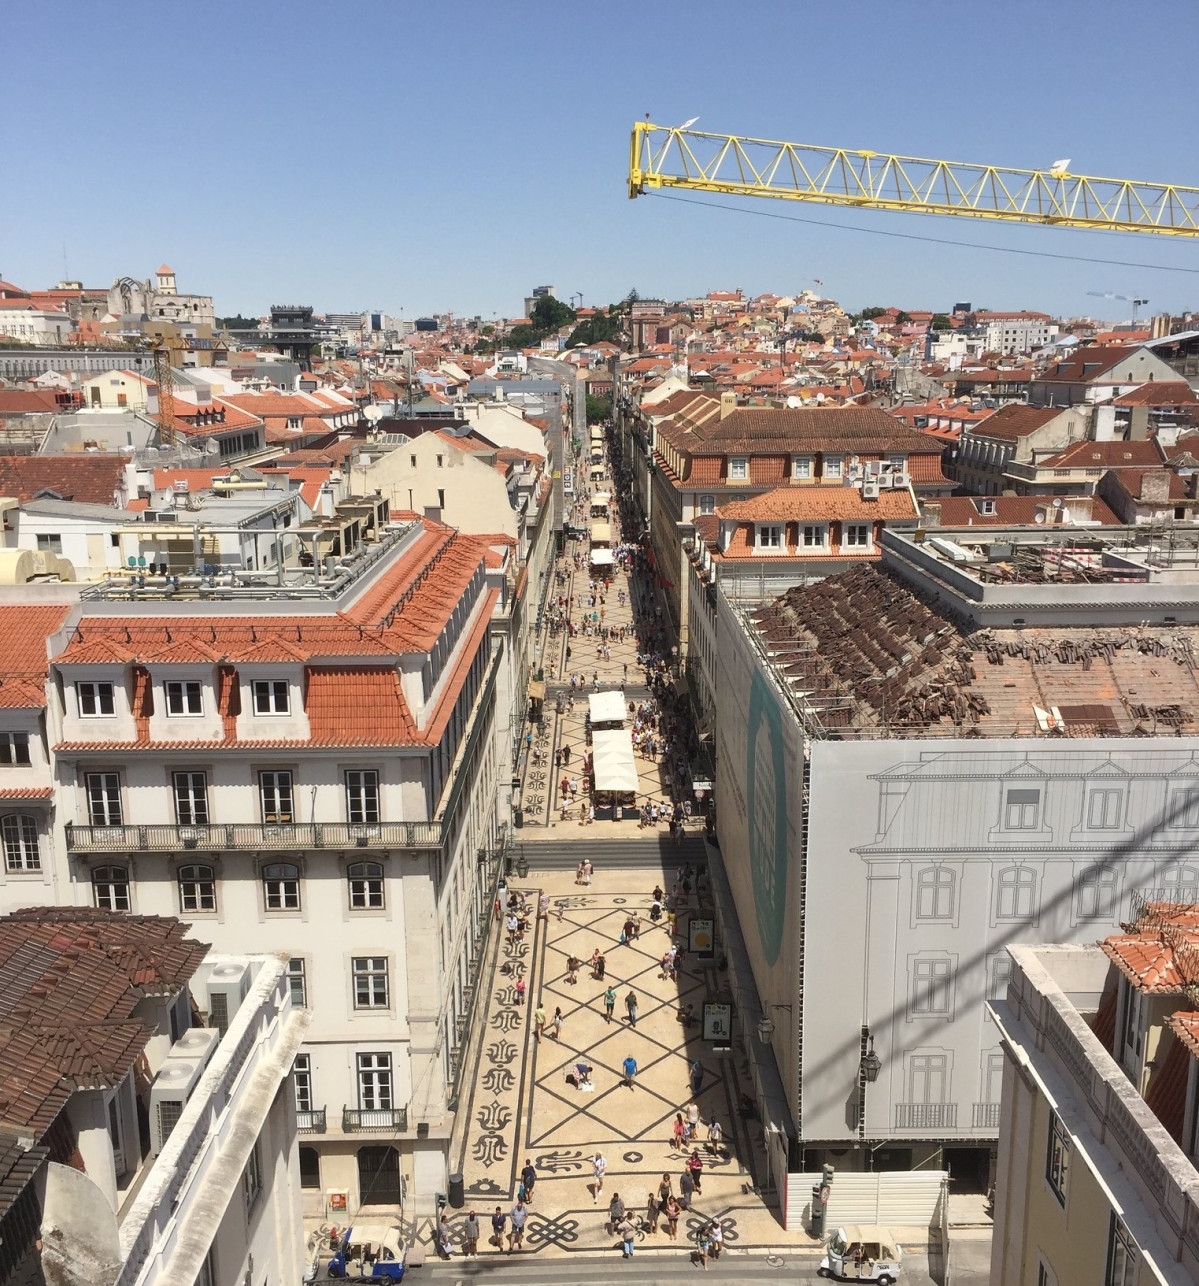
(137, 1148)
(983, 738)
(310, 761)
(1098, 1141)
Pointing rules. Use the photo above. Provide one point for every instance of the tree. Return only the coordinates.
(550, 314)
(600, 327)
(237, 323)
(902, 317)
(867, 314)
(940, 322)
(598, 409)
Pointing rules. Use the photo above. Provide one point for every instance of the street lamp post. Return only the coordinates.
(869, 1066)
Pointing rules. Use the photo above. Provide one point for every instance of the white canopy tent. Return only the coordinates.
(613, 765)
(602, 558)
(606, 707)
(601, 498)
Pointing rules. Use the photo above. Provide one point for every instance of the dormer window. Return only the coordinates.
(185, 697)
(271, 696)
(986, 507)
(96, 700)
(801, 466)
(770, 536)
(294, 421)
(832, 466)
(738, 469)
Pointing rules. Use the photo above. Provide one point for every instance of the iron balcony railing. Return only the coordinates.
(986, 1116)
(355, 1119)
(311, 1121)
(926, 1116)
(253, 836)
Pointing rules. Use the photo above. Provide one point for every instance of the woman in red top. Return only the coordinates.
(679, 1133)
(695, 1164)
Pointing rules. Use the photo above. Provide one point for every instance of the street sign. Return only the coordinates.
(701, 938)
(718, 1025)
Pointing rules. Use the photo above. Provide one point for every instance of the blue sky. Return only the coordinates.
(435, 156)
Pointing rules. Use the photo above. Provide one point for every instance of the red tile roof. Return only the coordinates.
(1016, 421)
(358, 706)
(25, 665)
(1165, 393)
(820, 503)
(1159, 962)
(90, 479)
(1105, 455)
(1011, 511)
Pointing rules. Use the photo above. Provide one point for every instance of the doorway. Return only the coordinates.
(969, 1169)
(378, 1176)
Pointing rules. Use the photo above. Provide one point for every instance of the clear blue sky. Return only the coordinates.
(450, 155)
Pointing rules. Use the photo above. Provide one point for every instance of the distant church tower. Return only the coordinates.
(166, 281)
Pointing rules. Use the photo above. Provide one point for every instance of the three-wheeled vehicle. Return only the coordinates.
(862, 1253)
(370, 1250)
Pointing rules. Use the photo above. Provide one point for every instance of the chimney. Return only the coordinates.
(728, 404)
(1155, 484)
(930, 513)
(1138, 426)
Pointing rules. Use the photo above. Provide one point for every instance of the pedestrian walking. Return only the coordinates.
(587, 871)
(511, 925)
(630, 1070)
(692, 1120)
(543, 907)
(678, 1133)
(630, 1004)
(653, 1208)
(686, 1188)
(470, 1236)
(716, 1233)
(445, 1240)
(600, 965)
(520, 1213)
(499, 1221)
(528, 1179)
(598, 1166)
(715, 1134)
(539, 1021)
(670, 1212)
(627, 1228)
(695, 1164)
(609, 1003)
(520, 991)
(696, 1076)
(579, 870)
(703, 1242)
(556, 1023)
(615, 1213)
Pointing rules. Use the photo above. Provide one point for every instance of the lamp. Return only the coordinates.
(522, 866)
(871, 1065)
(766, 1023)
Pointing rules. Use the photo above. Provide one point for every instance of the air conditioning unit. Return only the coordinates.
(168, 1097)
(227, 988)
(870, 489)
(197, 1044)
(900, 479)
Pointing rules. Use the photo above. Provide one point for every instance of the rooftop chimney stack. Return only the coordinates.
(728, 404)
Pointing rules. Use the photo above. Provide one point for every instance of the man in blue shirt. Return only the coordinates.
(630, 1070)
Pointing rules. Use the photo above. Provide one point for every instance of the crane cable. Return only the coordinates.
(912, 236)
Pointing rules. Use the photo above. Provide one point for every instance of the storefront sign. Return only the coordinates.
(718, 1025)
(701, 938)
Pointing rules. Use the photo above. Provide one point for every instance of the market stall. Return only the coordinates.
(606, 709)
(614, 771)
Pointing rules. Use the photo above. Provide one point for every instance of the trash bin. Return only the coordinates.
(518, 817)
(457, 1193)
(817, 1211)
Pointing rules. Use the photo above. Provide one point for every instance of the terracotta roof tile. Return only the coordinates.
(821, 503)
(1011, 511)
(25, 665)
(358, 706)
(1016, 421)
(89, 479)
(1105, 455)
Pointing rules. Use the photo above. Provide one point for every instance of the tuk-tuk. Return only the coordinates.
(862, 1253)
(371, 1250)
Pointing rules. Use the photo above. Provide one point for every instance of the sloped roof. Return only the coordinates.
(1105, 455)
(91, 479)
(837, 428)
(820, 503)
(1016, 421)
(24, 630)
(1011, 511)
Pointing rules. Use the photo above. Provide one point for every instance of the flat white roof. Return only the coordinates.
(606, 707)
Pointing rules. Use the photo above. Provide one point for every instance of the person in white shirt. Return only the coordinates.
(598, 1166)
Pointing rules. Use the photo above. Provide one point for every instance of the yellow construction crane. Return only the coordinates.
(163, 349)
(696, 161)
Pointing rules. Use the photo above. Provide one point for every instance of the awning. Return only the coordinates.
(606, 707)
(601, 498)
(537, 689)
(597, 435)
(602, 558)
(601, 533)
(614, 767)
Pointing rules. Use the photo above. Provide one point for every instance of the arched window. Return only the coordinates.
(281, 886)
(1179, 884)
(366, 885)
(110, 885)
(197, 888)
(936, 887)
(21, 848)
(1015, 893)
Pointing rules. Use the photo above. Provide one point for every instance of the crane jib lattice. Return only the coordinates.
(693, 160)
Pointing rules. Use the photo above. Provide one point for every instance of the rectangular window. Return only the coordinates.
(362, 797)
(103, 798)
(301, 1075)
(858, 534)
(832, 466)
(738, 469)
(191, 798)
(184, 697)
(271, 696)
(1183, 813)
(374, 1082)
(931, 985)
(95, 700)
(1103, 809)
(1095, 893)
(1121, 1255)
(1001, 974)
(110, 886)
(1022, 809)
(21, 848)
(1057, 1159)
(197, 888)
(51, 542)
(707, 504)
(251, 1179)
(936, 890)
(770, 537)
(281, 886)
(1015, 893)
(297, 980)
(366, 885)
(928, 1078)
(14, 748)
(274, 794)
(801, 466)
(814, 537)
(370, 982)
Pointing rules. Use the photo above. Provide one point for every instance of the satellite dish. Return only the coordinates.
(1040, 516)
(1057, 502)
(793, 402)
